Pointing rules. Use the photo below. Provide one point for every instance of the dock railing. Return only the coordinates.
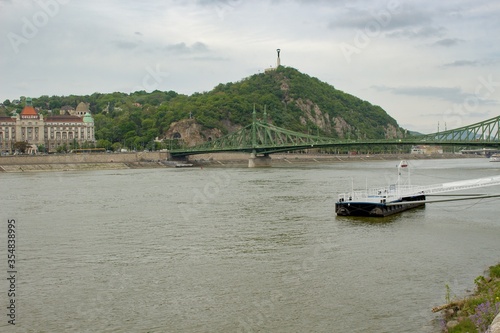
(394, 192)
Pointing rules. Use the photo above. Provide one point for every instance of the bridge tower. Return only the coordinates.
(257, 161)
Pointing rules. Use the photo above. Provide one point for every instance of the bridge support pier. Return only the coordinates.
(183, 159)
(259, 161)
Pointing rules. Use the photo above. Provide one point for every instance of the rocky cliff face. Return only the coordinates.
(323, 119)
(313, 113)
(342, 127)
(191, 132)
(391, 132)
(338, 125)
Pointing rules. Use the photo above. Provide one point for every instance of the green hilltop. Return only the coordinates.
(293, 100)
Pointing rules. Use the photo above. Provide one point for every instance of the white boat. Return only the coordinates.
(402, 196)
(495, 158)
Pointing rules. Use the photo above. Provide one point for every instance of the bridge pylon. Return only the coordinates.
(259, 161)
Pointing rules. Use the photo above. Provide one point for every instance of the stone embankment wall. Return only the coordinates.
(65, 162)
(83, 158)
(223, 158)
(75, 162)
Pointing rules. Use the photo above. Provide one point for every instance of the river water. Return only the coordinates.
(238, 249)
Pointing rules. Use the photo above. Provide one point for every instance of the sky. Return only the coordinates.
(429, 64)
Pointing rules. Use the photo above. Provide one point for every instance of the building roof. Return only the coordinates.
(7, 119)
(29, 111)
(63, 119)
(82, 107)
(88, 118)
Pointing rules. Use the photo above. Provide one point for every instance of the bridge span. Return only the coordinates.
(261, 139)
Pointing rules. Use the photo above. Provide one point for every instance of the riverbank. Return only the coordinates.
(476, 312)
(77, 162)
(79, 166)
(228, 159)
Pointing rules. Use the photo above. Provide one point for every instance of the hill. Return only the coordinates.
(293, 100)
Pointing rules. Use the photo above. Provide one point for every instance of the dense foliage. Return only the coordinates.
(135, 119)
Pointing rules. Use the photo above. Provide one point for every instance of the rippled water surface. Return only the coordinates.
(239, 250)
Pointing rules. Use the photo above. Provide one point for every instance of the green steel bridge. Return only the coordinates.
(262, 138)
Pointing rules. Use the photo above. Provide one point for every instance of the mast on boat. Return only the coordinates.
(403, 174)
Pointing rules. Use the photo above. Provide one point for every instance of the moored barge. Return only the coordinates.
(378, 206)
(380, 202)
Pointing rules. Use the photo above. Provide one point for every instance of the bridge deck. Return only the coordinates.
(263, 138)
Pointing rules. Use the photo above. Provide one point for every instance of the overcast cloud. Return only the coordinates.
(425, 62)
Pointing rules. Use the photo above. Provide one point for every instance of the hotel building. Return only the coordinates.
(52, 132)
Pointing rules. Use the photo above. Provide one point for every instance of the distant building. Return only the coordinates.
(67, 109)
(426, 150)
(81, 110)
(52, 132)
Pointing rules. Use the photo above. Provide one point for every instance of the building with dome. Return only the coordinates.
(81, 110)
(52, 132)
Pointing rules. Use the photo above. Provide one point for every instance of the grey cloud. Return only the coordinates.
(447, 42)
(483, 115)
(216, 2)
(421, 32)
(403, 17)
(462, 63)
(183, 48)
(454, 95)
(472, 63)
(210, 58)
(126, 45)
